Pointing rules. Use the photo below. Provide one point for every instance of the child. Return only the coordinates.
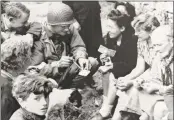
(158, 83)
(31, 92)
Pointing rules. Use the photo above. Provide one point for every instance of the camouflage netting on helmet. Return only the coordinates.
(14, 52)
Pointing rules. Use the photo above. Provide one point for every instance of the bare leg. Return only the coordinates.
(112, 90)
(110, 96)
(105, 84)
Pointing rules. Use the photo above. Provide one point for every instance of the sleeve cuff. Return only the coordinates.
(80, 54)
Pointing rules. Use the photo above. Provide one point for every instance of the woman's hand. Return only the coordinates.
(124, 84)
(120, 79)
(106, 68)
(103, 58)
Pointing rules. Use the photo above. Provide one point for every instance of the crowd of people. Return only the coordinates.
(44, 64)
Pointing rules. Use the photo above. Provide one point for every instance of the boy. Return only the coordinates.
(31, 92)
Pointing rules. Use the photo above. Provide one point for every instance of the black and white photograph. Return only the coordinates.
(86, 60)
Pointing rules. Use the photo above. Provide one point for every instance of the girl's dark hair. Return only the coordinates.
(122, 20)
(129, 8)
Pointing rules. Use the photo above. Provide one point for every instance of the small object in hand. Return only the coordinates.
(106, 61)
(34, 70)
(102, 49)
(109, 52)
(84, 72)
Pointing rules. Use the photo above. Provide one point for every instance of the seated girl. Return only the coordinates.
(121, 39)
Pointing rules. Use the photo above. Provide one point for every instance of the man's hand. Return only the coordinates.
(125, 84)
(84, 63)
(64, 62)
(36, 69)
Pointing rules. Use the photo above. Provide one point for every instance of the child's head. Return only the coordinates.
(14, 52)
(144, 25)
(31, 92)
(16, 16)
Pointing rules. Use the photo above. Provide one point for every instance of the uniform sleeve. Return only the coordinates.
(38, 55)
(77, 45)
(35, 29)
(50, 71)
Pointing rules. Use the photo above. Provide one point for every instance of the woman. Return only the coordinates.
(121, 39)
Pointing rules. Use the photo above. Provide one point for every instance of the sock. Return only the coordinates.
(106, 108)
